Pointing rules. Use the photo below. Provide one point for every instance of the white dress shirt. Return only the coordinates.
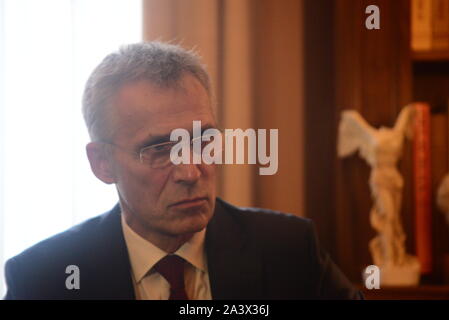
(149, 284)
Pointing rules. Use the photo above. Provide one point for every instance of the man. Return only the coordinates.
(169, 237)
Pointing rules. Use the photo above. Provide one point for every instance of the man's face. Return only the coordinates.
(150, 197)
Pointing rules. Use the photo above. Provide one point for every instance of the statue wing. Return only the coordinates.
(354, 134)
(404, 122)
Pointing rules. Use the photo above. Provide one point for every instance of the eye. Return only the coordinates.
(162, 147)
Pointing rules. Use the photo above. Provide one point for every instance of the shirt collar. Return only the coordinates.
(144, 255)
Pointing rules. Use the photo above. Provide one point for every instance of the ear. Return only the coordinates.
(100, 163)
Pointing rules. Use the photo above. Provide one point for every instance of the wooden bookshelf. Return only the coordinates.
(376, 73)
(430, 83)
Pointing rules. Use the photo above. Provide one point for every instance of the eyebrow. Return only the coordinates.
(156, 139)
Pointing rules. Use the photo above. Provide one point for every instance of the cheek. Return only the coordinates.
(209, 183)
(141, 183)
(208, 171)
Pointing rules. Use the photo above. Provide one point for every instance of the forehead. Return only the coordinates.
(143, 109)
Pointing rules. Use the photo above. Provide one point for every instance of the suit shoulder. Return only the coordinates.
(96, 247)
(69, 243)
(260, 216)
(274, 226)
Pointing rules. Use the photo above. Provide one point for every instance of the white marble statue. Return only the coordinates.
(382, 148)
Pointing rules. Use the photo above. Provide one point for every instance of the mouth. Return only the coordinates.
(193, 202)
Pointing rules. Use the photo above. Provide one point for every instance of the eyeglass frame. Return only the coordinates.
(172, 143)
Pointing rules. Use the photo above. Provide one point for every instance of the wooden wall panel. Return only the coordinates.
(278, 99)
(319, 119)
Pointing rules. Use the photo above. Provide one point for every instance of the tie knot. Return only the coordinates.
(171, 267)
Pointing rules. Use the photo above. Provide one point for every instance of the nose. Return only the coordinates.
(186, 173)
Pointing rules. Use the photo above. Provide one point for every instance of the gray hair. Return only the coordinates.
(160, 63)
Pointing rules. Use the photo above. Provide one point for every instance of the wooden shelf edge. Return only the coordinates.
(424, 292)
(431, 55)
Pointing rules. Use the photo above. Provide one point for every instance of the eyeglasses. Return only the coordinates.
(157, 156)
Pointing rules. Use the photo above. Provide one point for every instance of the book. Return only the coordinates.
(422, 186)
(421, 25)
(440, 24)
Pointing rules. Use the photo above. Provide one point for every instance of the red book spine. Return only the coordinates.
(422, 186)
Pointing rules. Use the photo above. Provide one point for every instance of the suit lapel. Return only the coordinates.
(235, 268)
(113, 277)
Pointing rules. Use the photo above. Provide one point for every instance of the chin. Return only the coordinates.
(193, 224)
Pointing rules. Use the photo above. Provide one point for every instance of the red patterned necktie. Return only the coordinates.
(171, 267)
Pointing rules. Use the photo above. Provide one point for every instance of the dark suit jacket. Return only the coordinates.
(252, 254)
